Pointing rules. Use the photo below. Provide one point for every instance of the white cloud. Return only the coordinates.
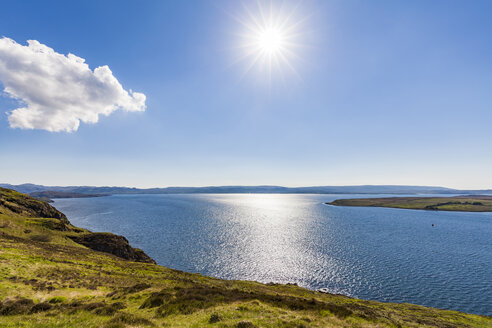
(58, 91)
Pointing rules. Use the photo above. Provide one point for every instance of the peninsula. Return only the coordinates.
(479, 203)
(48, 196)
(54, 274)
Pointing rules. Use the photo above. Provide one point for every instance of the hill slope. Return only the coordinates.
(49, 278)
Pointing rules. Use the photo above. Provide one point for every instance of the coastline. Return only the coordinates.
(474, 203)
(55, 279)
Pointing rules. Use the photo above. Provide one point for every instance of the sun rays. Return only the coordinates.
(270, 39)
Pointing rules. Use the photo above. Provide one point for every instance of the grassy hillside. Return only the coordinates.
(50, 278)
(458, 203)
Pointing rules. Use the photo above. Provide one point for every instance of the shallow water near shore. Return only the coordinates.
(383, 254)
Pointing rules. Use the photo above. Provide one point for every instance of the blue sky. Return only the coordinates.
(386, 92)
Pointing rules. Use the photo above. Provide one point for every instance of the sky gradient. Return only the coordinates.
(385, 92)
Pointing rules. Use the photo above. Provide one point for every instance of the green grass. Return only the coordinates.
(458, 203)
(56, 282)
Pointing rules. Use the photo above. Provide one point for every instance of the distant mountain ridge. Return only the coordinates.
(362, 189)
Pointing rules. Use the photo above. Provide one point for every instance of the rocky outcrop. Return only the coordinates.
(113, 244)
(28, 206)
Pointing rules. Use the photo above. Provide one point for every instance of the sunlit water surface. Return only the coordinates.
(371, 253)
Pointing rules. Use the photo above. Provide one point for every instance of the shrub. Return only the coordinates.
(41, 307)
(5, 224)
(109, 309)
(245, 324)
(122, 319)
(155, 300)
(136, 288)
(214, 318)
(57, 299)
(242, 308)
(55, 225)
(44, 238)
(18, 306)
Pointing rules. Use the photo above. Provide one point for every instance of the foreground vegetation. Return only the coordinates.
(49, 277)
(458, 203)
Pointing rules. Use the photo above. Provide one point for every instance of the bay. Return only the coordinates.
(383, 254)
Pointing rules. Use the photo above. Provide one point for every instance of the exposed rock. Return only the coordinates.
(113, 244)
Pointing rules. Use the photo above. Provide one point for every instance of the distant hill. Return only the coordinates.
(365, 189)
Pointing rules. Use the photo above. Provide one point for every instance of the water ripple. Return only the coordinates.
(372, 253)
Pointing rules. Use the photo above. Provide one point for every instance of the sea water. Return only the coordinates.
(391, 255)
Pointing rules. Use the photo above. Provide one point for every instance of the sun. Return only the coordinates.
(271, 39)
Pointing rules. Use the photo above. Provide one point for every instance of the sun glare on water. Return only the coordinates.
(271, 39)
